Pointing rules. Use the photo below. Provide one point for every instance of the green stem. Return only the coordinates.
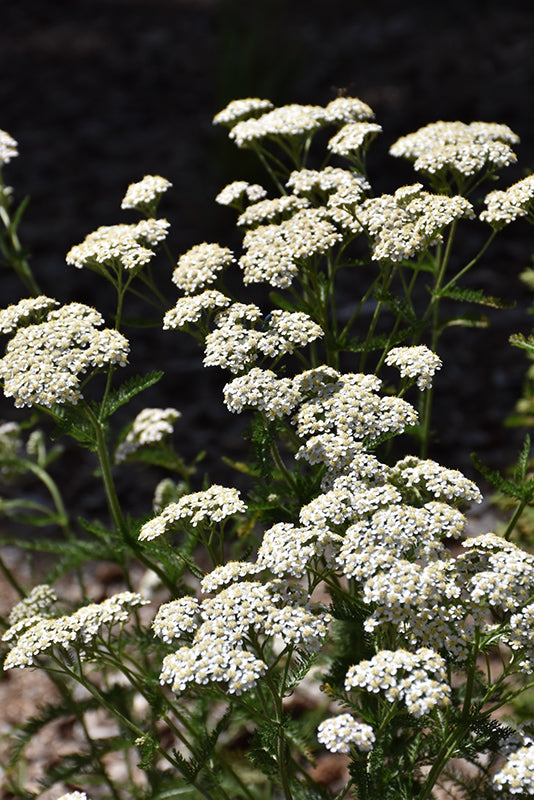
(105, 466)
(515, 517)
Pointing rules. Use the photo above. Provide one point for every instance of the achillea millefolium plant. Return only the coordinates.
(331, 575)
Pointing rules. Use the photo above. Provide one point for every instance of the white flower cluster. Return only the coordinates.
(409, 221)
(342, 414)
(145, 194)
(200, 266)
(339, 734)
(516, 777)
(500, 574)
(151, 425)
(80, 628)
(266, 211)
(191, 307)
(425, 475)
(347, 109)
(119, 246)
(262, 390)
(210, 506)
(274, 251)
(223, 626)
(416, 679)
(42, 362)
(506, 205)
(73, 796)
(457, 147)
(285, 122)
(326, 181)
(352, 137)
(415, 362)
(18, 314)
(236, 192)
(38, 603)
(8, 147)
(235, 347)
(237, 110)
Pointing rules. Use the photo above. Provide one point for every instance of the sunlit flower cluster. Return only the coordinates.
(267, 211)
(506, 205)
(326, 181)
(457, 147)
(212, 505)
(39, 602)
(145, 194)
(221, 649)
(119, 246)
(339, 734)
(235, 193)
(262, 390)
(425, 475)
(234, 346)
(285, 122)
(43, 362)
(241, 109)
(18, 314)
(344, 413)
(8, 147)
(409, 221)
(151, 425)
(352, 137)
(191, 307)
(516, 777)
(80, 628)
(415, 362)
(273, 252)
(416, 679)
(201, 266)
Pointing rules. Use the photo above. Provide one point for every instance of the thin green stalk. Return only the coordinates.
(515, 517)
(16, 256)
(105, 467)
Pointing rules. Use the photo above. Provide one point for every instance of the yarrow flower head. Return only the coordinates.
(201, 266)
(144, 196)
(191, 307)
(429, 476)
(415, 362)
(352, 137)
(275, 251)
(418, 679)
(238, 191)
(119, 246)
(234, 346)
(347, 109)
(237, 110)
(8, 148)
(73, 796)
(212, 505)
(217, 652)
(516, 777)
(506, 205)
(339, 734)
(18, 314)
(43, 362)
(39, 602)
(458, 148)
(409, 221)
(285, 122)
(80, 628)
(151, 425)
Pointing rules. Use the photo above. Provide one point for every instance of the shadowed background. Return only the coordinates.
(99, 93)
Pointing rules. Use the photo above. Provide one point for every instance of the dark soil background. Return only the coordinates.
(99, 93)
